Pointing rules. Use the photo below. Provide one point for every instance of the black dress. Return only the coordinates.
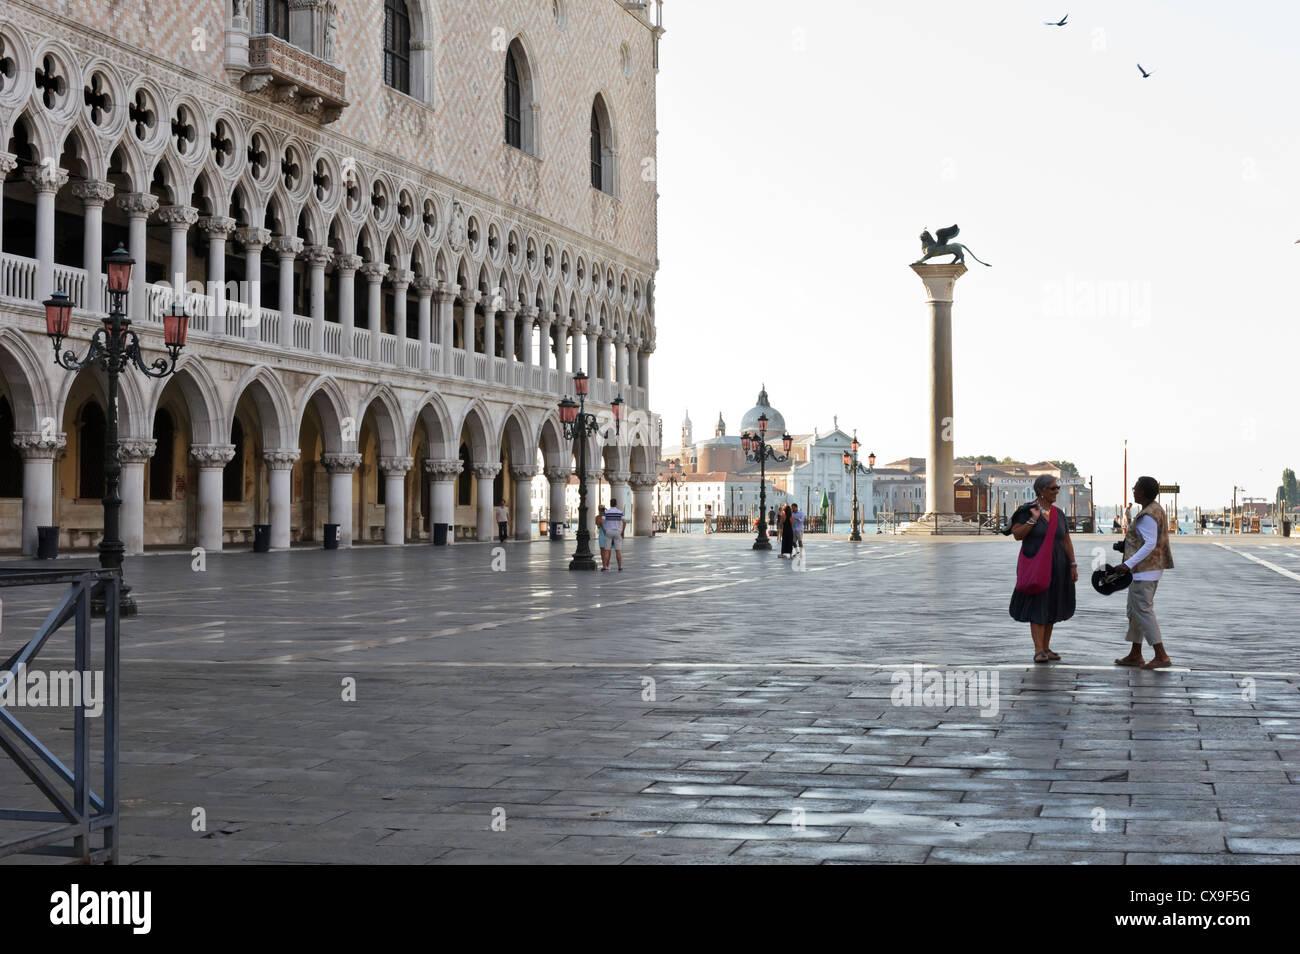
(1056, 603)
(787, 535)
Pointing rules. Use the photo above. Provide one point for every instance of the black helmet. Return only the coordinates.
(1111, 580)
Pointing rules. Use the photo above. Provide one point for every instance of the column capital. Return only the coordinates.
(46, 177)
(374, 272)
(425, 285)
(217, 226)
(641, 481)
(939, 280)
(253, 240)
(348, 262)
(401, 276)
(93, 191)
(212, 456)
(318, 256)
(546, 318)
(469, 297)
(286, 246)
(136, 449)
(395, 465)
(511, 310)
(138, 204)
(34, 445)
(340, 463)
(443, 470)
(8, 163)
(523, 473)
(282, 458)
(557, 473)
(178, 215)
(444, 293)
(617, 476)
(486, 471)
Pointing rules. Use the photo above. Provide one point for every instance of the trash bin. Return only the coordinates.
(557, 530)
(47, 543)
(440, 534)
(331, 536)
(261, 538)
(542, 528)
(1286, 530)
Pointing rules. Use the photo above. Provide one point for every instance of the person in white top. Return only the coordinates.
(503, 519)
(1146, 545)
(614, 531)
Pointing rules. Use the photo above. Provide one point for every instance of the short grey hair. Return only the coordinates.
(1042, 482)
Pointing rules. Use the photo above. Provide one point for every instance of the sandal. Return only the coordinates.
(1051, 655)
(1042, 657)
(1159, 663)
(1125, 661)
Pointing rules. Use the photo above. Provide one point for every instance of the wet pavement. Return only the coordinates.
(708, 704)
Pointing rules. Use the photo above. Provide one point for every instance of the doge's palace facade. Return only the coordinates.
(399, 227)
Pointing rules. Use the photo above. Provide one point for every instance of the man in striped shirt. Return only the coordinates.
(614, 530)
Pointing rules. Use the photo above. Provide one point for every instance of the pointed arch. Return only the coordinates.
(325, 394)
(390, 421)
(274, 406)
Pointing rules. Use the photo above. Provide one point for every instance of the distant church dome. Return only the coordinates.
(775, 422)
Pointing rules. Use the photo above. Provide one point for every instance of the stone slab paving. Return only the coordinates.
(708, 705)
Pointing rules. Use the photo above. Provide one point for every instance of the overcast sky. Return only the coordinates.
(1140, 230)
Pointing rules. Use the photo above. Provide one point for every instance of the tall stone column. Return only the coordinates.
(401, 280)
(618, 490)
(47, 179)
(442, 506)
(138, 206)
(318, 256)
(374, 273)
(218, 228)
(939, 282)
(445, 297)
(593, 500)
(558, 480)
(545, 349)
(593, 362)
(133, 453)
(211, 460)
(286, 248)
(93, 195)
(486, 474)
(643, 374)
(526, 343)
(253, 240)
(425, 287)
(178, 219)
(620, 364)
(347, 264)
(395, 469)
(523, 507)
(509, 318)
(561, 340)
(280, 464)
(489, 333)
(642, 485)
(39, 452)
(340, 468)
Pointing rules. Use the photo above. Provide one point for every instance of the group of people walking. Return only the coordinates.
(1146, 557)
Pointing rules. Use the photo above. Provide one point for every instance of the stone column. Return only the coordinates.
(561, 340)
(39, 453)
(510, 317)
(544, 350)
(318, 256)
(138, 206)
(620, 364)
(286, 248)
(178, 218)
(218, 228)
(558, 479)
(526, 329)
(468, 300)
(347, 265)
(490, 332)
(133, 453)
(442, 506)
(593, 500)
(939, 282)
(523, 508)
(643, 374)
(212, 460)
(395, 469)
(253, 240)
(425, 287)
(341, 467)
(642, 485)
(47, 179)
(93, 195)
(401, 280)
(445, 296)
(486, 474)
(618, 490)
(374, 273)
(593, 345)
(280, 464)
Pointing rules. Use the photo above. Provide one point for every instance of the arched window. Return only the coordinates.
(465, 480)
(160, 465)
(597, 152)
(513, 136)
(397, 46)
(520, 125)
(232, 478)
(603, 171)
(271, 16)
(90, 451)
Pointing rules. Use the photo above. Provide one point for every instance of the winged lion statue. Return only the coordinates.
(945, 246)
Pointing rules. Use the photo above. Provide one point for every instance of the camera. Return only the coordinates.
(1118, 547)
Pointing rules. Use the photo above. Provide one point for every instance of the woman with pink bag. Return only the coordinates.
(1045, 575)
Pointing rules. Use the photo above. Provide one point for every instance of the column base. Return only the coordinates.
(938, 523)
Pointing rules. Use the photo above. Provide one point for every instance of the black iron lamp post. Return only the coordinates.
(578, 423)
(852, 466)
(115, 348)
(674, 480)
(756, 448)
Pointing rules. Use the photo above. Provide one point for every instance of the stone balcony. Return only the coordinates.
(291, 76)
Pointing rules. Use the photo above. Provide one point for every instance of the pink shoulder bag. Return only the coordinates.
(1034, 574)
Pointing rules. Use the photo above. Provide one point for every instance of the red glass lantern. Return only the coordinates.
(745, 442)
(786, 441)
(871, 460)
(762, 424)
(619, 408)
(580, 384)
(855, 445)
(58, 315)
(119, 270)
(848, 461)
(568, 411)
(175, 323)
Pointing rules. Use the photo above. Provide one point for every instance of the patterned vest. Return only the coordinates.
(1158, 559)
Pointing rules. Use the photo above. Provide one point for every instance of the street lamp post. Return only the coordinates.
(114, 348)
(978, 484)
(852, 466)
(674, 481)
(756, 448)
(578, 422)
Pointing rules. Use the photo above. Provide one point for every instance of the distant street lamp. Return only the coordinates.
(578, 423)
(673, 481)
(115, 348)
(756, 448)
(852, 466)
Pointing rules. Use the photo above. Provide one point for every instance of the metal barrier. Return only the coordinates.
(84, 815)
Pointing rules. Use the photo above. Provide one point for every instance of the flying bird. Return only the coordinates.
(1144, 73)
(1060, 22)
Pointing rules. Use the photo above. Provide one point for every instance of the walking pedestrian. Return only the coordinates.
(614, 532)
(1146, 556)
(771, 521)
(797, 517)
(601, 538)
(503, 519)
(787, 532)
(1043, 609)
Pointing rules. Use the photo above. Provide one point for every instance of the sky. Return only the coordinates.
(1141, 231)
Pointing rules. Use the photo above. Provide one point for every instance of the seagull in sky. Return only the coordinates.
(1144, 73)
(1060, 22)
